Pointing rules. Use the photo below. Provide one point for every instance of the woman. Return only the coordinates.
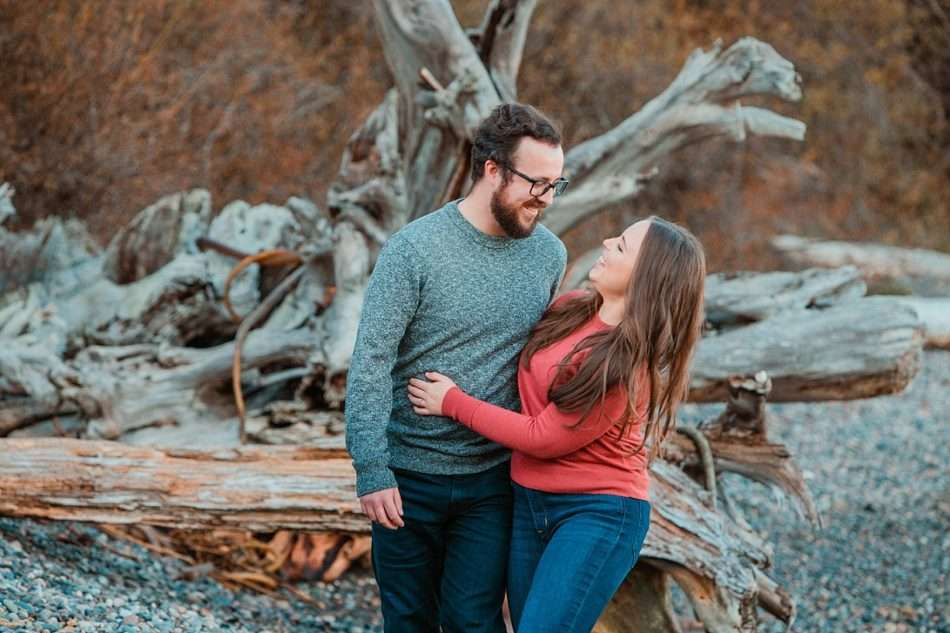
(600, 381)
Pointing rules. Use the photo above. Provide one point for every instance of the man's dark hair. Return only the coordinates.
(498, 135)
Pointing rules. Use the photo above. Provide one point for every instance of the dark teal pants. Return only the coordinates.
(446, 569)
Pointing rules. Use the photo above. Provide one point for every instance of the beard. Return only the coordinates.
(508, 216)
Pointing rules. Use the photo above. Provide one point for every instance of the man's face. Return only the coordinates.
(512, 205)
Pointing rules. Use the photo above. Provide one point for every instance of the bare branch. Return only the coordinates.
(702, 102)
(419, 34)
(501, 39)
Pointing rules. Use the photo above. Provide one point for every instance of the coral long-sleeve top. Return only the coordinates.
(549, 455)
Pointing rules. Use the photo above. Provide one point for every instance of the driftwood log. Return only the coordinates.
(934, 315)
(253, 488)
(145, 341)
(920, 271)
(887, 270)
(857, 349)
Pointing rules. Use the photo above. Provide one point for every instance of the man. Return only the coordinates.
(456, 291)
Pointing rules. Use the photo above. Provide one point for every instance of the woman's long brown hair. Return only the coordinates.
(651, 346)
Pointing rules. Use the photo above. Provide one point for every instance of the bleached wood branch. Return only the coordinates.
(924, 271)
(739, 298)
(934, 314)
(122, 389)
(53, 255)
(702, 102)
(157, 234)
(170, 292)
(418, 34)
(7, 210)
(745, 297)
(500, 42)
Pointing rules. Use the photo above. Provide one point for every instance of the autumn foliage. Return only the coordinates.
(106, 106)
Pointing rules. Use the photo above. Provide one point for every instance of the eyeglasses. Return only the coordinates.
(540, 186)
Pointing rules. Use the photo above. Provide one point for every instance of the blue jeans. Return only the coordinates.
(445, 570)
(569, 555)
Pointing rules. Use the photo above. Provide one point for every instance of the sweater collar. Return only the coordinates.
(469, 230)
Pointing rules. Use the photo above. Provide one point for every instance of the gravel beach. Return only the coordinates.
(876, 468)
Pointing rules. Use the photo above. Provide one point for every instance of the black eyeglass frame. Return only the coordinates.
(559, 185)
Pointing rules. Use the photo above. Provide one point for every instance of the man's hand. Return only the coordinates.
(384, 507)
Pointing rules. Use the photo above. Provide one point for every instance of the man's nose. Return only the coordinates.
(548, 197)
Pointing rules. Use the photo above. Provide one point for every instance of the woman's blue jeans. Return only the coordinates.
(569, 555)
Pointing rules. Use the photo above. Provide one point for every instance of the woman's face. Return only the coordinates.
(611, 274)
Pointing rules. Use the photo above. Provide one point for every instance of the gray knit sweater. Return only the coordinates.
(443, 297)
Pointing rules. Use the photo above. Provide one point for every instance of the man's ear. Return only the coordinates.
(492, 170)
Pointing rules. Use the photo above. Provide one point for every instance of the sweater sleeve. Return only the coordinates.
(391, 299)
(550, 434)
(561, 269)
